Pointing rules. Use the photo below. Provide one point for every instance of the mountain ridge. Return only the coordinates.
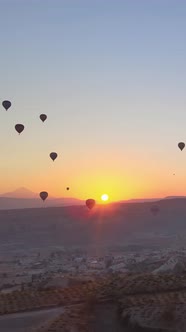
(25, 198)
(21, 192)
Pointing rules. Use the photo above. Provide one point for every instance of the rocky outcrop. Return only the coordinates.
(164, 311)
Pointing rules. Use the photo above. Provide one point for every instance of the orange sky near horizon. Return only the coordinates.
(92, 176)
(123, 171)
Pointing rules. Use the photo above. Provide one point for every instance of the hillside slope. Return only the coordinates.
(76, 225)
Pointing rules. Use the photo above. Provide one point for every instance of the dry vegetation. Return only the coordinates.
(28, 300)
(148, 283)
(145, 300)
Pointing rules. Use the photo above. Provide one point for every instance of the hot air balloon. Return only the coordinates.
(90, 203)
(154, 210)
(53, 155)
(43, 117)
(19, 128)
(43, 195)
(67, 188)
(6, 104)
(181, 145)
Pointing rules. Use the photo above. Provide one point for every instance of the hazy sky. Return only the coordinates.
(111, 76)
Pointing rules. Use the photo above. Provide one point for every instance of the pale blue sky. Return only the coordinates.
(111, 76)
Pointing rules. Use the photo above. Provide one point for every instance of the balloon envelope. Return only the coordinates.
(43, 117)
(6, 104)
(181, 145)
(53, 155)
(90, 203)
(19, 128)
(43, 195)
(154, 210)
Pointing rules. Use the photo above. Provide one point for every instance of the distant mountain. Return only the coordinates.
(23, 198)
(142, 200)
(9, 203)
(174, 197)
(20, 193)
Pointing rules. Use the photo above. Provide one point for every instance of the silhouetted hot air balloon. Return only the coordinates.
(181, 145)
(43, 117)
(6, 104)
(43, 195)
(19, 128)
(67, 188)
(90, 203)
(154, 210)
(53, 155)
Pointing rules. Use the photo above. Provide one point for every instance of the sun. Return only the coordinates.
(104, 197)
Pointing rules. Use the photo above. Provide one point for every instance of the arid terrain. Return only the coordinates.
(120, 302)
(116, 268)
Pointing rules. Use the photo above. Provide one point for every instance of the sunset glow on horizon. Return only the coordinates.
(113, 92)
(105, 197)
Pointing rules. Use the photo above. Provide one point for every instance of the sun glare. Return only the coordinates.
(104, 197)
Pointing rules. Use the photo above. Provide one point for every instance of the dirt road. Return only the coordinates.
(25, 322)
